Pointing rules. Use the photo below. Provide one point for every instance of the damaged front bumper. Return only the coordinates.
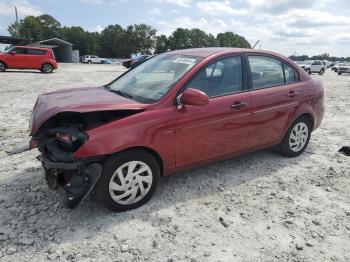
(77, 178)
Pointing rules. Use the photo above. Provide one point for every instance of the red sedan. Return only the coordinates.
(176, 111)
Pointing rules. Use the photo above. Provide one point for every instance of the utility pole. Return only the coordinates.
(17, 24)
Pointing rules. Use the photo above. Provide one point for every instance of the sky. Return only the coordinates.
(286, 26)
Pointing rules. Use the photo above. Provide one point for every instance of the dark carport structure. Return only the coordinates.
(13, 40)
(63, 50)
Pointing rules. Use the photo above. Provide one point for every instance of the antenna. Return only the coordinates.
(17, 24)
(256, 44)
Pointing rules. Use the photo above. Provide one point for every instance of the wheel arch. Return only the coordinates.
(307, 115)
(47, 63)
(4, 63)
(149, 150)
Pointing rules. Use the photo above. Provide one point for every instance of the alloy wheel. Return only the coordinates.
(298, 137)
(2, 67)
(47, 68)
(130, 182)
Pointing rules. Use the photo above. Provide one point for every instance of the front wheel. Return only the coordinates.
(2, 67)
(308, 71)
(339, 73)
(297, 138)
(321, 72)
(129, 179)
(47, 68)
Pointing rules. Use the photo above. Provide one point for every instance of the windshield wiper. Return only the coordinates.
(121, 93)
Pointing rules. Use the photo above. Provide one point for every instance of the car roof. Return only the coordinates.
(209, 51)
(32, 47)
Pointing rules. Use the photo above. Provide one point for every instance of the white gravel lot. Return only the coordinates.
(258, 207)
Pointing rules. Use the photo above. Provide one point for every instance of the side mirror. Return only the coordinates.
(193, 97)
(12, 53)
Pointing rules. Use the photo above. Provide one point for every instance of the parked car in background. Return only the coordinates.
(316, 66)
(92, 59)
(25, 57)
(344, 68)
(176, 111)
(335, 67)
(133, 62)
(139, 60)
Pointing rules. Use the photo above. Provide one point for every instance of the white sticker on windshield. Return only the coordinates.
(185, 60)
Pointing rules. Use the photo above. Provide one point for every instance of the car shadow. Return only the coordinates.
(29, 208)
(23, 71)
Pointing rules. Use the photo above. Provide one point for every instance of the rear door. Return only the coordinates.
(35, 57)
(221, 127)
(275, 98)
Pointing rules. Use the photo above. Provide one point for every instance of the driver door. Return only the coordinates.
(219, 129)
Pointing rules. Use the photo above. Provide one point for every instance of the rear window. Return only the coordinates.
(266, 71)
(36, 52)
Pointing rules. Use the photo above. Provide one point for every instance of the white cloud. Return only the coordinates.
(98, 28)
(182, 3)
(94, 2)
(24, 8)
(155, 11)
(213, 26)
(218, 8)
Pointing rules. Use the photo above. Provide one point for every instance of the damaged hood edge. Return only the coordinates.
(80, 100)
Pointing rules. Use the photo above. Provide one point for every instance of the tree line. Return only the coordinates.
(116, 41)
(324, 56)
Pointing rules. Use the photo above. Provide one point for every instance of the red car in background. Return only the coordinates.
(25, 57)
(176, 111)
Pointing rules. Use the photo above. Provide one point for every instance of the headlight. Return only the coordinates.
(63, 137)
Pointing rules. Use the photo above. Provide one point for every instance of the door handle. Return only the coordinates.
(292, 94)
(237, 105)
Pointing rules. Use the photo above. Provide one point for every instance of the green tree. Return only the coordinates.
(180, 39)
(141, 38)
(50, 26)
(162, 44)
(230, 39)
(29, 27)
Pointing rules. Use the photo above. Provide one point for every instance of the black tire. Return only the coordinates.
(321, 72)
(308, 71)
(47, 68)
(109, 167)
(285, 147)
(2, 67)
(89, 62)
(339, 73)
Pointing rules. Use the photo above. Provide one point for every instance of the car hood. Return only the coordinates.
(80, 100)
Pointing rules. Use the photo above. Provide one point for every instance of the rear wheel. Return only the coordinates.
(297, 138)
(2, 67)
(89, 62)
(339, 73)
(128, 180)
(47, 68)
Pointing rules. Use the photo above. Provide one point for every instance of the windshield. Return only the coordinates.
(12, 48)
(151, 80)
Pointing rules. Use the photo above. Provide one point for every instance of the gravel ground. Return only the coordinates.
(258, 207)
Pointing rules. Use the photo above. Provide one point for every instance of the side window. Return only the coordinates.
(21, 51)
(289, 73)
(266, 71)
(220, 78)
(36, 52)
